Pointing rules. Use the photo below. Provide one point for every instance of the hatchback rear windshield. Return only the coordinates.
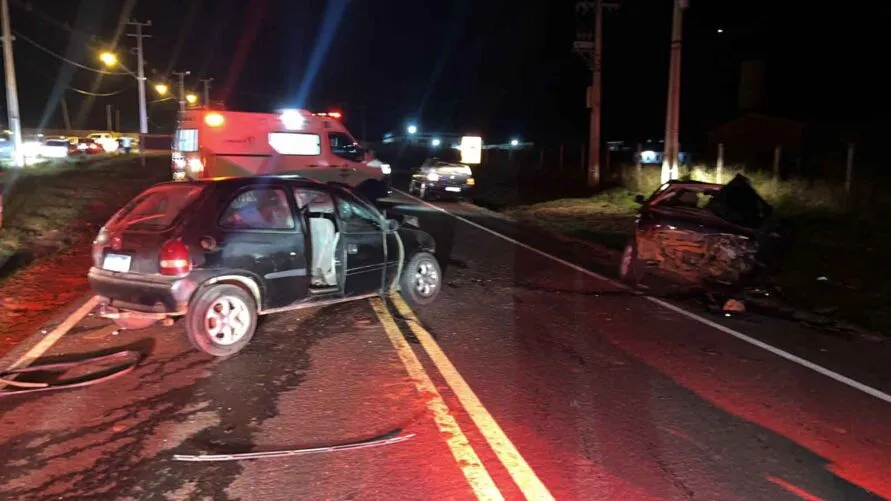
(155, 209)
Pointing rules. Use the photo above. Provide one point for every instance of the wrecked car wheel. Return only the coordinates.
(421, 279)
(630, 269)
(221, 320)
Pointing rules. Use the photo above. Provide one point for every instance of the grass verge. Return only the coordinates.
(51, 214)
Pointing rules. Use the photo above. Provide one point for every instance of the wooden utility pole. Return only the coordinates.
(671, 152)
(592, 51)
(719, 166)
(140, 72)
(181, 89)
(108, 117)
(12, 95)
(65, 117)
(206, 82)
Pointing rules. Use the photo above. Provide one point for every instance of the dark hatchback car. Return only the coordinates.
(704, 233)
(442, 176)
(221, 252)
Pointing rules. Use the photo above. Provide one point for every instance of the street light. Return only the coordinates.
(514, 142)
(435, 142)
(108, 58)
(191, 98)
(412, 129)
(161, 88)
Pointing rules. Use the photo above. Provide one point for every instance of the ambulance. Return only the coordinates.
(213, 143)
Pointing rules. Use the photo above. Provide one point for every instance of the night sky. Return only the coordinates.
(503, 68)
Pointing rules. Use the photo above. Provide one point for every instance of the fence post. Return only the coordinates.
(777, 154)
(849, 169)
(719, 166)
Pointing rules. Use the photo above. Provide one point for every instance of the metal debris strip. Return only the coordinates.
(131, 357)
(293, 452)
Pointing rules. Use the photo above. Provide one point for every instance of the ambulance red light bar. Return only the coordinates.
(331, 114)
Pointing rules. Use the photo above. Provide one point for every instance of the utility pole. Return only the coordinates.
(671, 148)
(181, 89)
(12, 96)
(206, 82)
(65, 117)
(108, 117)
(140, 72)
(592, 51)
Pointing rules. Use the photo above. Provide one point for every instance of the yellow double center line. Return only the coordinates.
(474, 471)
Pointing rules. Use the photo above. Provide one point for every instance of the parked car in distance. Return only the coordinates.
(85, 147)
(221, 252)
(703, 233)
(442, 176)
(54, 147)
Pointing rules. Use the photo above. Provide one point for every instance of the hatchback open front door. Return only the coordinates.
(363, 234)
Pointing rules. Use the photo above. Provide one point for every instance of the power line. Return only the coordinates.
(75, 89)
(29, 7)
(65, 59)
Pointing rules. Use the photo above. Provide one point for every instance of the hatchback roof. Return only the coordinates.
(236, 181)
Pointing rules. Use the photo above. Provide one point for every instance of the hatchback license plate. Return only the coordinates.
(116, 262)
(452, 188)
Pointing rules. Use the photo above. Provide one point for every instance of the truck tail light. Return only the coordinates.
(174, 258)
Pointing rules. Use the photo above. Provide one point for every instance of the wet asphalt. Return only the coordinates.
(605, 394)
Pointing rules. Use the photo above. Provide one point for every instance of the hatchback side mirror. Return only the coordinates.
(640, 199)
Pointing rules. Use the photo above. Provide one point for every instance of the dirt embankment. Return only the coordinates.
(51, 215)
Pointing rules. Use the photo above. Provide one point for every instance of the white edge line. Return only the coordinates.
(53, 336)
(869, 390)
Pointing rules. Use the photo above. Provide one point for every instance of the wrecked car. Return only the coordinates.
(703, 233)
(218, 253)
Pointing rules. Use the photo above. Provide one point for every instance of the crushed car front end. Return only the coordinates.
(704, 233)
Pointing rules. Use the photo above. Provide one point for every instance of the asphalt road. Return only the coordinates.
(529, 377)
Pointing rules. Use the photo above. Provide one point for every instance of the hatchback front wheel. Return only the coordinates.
(421, 279)
(221, 320)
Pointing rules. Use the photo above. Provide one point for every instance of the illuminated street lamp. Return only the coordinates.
(161, 88)
(435, 142)
(108, 59)
(412, 129)
(515, 142)
(191, 98)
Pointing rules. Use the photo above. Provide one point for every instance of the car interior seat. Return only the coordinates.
(324, 247)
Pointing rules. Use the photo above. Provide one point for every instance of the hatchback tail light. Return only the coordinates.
(175, 259)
